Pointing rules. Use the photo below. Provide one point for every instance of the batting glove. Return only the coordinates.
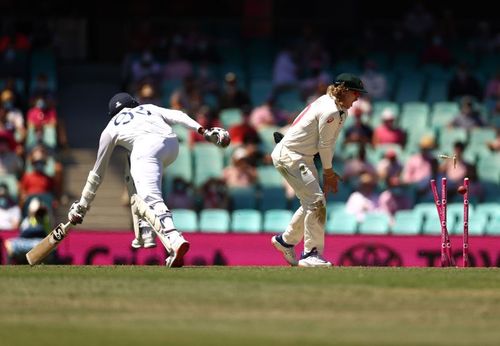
(76, 213)
(330, 181)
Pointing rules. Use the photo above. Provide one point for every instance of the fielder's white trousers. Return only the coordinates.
(309, 220)
(148, 158)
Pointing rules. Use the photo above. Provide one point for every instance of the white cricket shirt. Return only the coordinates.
(316, 129)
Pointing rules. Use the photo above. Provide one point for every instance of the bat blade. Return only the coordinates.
(48, 244)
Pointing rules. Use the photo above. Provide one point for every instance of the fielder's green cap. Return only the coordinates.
(350, 81)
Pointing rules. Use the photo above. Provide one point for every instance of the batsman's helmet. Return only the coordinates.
(120, 101)
(350, 81)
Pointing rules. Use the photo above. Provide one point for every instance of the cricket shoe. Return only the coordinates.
(288, 251)
(147, 239)
(313, 259)
(177, 247)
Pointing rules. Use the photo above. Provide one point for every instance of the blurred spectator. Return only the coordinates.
(10, 162)
(188, 97)
(492, 90)
(34, 227)
(181, 196)
(388, 132)
(374, 81)
(8, 131)
(394, 198)
(389, 167)
(436, 52)
(359, 132)
(146, 68)
(240, 173)
(418, 21)
(214, 194)
(10, 213)
(263, 116)
(205, 117)
(148, 93)
(422, 166)
(177, 67)
(494, 144)
(231, 95)
(364, 199)
(206, 77)
(42, 88)
(456, 171)
(358, 165)
(315, 85)
(468, 117)
(244, 133)
(37, 181)
(14, 118)
(42, 113)
(285, 70)
(463, 83)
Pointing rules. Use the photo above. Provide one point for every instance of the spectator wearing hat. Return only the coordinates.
(389, 167)
(232, 96)
(422, 166)
(468, 117)
(388, 132)
(365, 199)
(240, 173)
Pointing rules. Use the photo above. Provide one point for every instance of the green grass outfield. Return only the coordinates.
(142, 305)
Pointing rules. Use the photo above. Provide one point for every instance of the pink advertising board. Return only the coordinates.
(83, 247)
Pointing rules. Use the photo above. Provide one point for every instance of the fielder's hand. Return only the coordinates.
(76, 213)
(330, 181)
(217, 136)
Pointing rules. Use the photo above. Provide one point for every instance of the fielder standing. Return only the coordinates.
(145, 131)
(314, 131)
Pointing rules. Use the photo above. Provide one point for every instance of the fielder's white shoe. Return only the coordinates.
(288, 252)
(177, 248)
(146, 239)
(313, 259)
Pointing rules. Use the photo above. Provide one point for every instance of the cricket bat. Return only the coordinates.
(48, 244)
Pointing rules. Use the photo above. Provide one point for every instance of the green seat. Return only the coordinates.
(448, 136)
(185, 220)
(243, 197)
(267, 138)
(182, 167)
(10, 180)
(276, 220)
(50, 166)
(375, 223)
(214, 220)
(341, 223)
(410, 88)
(406, 222)
(269, 176)
(437, 90)
(379, 107)
(272, 198)
(442, 113)
(414, 114)
(290, 100)
(490, 209)
(168, 86)
(432, 225)
(477, 224)
(488, 170)
(493, 226)
(426, 209)
(246, 221)
(334, 207)
(480, 135)
(230, 117)
(260, 91)
(47, 138)
(208, 162)
(182, 133)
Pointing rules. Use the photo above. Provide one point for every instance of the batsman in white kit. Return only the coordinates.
(145, 131)
(314, 131)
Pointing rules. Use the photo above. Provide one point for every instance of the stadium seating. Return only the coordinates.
(276, 220)
(208, 162)
(185, 220)
(406, 222)
(214, 220)
(341, 223)
(246, 221)
(230, 117)
(477, 225)
(243, 197)
(375, 223)
(432, 225)
(272, 198)
(493, 226)
(269, 176)
(10, 180)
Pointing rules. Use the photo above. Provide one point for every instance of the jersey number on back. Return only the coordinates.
(124, 118)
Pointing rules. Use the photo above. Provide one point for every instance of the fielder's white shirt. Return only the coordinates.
(131, 124)
(316, 129)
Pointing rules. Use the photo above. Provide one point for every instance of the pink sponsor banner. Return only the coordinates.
(83, 247)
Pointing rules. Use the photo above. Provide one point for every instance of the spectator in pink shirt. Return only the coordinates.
(41, 114)
(388, 132)
(422, 166)
(394, 198)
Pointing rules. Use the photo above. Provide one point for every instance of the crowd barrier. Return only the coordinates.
(87, 247)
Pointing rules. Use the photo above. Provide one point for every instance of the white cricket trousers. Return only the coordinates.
(309, 220)
(148, 158)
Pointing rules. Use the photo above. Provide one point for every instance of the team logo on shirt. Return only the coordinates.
(329, 120)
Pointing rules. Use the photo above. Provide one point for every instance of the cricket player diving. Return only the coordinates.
(145, 131)
(314, 131)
